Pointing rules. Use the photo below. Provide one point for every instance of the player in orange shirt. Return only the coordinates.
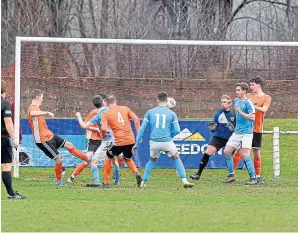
(45, 139)
(261, 102)
(117, 121)
(93, 143)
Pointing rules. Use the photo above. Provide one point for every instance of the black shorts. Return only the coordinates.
(50, 148)
(92, 145)
(257, 140)
(117, 150)
(6, 150)
(218, 142)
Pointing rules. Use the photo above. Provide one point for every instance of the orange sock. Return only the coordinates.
(78, 153)
(236, 159)
(80, 168)
(58, 171)
(120, 162)
(258, 165)
(132, 166)
(107, 170)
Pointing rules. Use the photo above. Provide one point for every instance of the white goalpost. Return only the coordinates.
(83, 59)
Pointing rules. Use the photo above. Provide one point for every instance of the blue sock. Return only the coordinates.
(250, 166)
(229, 162)
(95, 174)
(180, 168)
(117, 173)
(148, 169)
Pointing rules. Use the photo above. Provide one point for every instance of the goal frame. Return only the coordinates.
(19, 41)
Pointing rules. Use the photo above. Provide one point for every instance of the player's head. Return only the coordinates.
(241, 89)
(162, 97)
(3, 87)
(226, 102)
(97, 101)
(37, 96)
(110, 100)
(256, 84)
(103, 96)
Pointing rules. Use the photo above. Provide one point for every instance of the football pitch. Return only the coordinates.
(163, 205)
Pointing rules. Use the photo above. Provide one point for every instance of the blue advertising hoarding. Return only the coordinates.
(191, 142)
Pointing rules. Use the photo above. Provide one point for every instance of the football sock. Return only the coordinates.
(250, 166)
(258, 165)
(107, 171)
(78, 154)
(236, 160)
(117, 173)
(79, 169)
(180, 168)
(6, 178)
(58, 171)
(229, 162)
(203, 163)
(95, 174)
(148, 169)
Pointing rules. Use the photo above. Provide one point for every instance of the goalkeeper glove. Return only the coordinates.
(212, 126)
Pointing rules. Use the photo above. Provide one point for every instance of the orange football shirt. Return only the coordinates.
(262, 101)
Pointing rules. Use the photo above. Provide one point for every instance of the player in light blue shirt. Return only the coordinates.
(164, 126)
(241, 139)
(100, 154)
(244, 123)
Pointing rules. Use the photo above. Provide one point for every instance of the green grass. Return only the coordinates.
(164, 205)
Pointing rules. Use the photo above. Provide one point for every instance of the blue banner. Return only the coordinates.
(191, 142)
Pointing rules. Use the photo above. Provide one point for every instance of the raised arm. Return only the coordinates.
(267, 104)
(36, 113)
(251, 111)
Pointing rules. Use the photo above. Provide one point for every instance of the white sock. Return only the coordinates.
(258, 176)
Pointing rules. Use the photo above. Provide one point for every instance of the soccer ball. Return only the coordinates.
(171, 102)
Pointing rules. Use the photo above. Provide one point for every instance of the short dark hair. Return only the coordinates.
(3, 86)
(257, 80)
(162, 96)
(97, 101)
(110, 99)
(244, 86)
(35, 93)
(103, 96)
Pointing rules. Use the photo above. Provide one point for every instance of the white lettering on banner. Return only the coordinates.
(193, 149)
(190, 149)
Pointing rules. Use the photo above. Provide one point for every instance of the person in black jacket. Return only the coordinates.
(7, 134)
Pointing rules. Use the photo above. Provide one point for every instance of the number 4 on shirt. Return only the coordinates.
(120, 118)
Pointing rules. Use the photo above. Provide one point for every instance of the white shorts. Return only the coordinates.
(167, 147)
(239, 141)
(101, 153)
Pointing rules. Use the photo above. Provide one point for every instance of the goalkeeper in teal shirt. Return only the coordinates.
(164, 126)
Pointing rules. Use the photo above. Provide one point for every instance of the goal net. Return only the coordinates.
(195, 73)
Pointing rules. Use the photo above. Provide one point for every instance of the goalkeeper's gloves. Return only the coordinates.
(212, 126)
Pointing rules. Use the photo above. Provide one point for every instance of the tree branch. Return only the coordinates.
(246, 2)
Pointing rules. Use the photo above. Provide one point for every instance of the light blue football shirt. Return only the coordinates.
(243, 125)
(97, 119)
(163, 124)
